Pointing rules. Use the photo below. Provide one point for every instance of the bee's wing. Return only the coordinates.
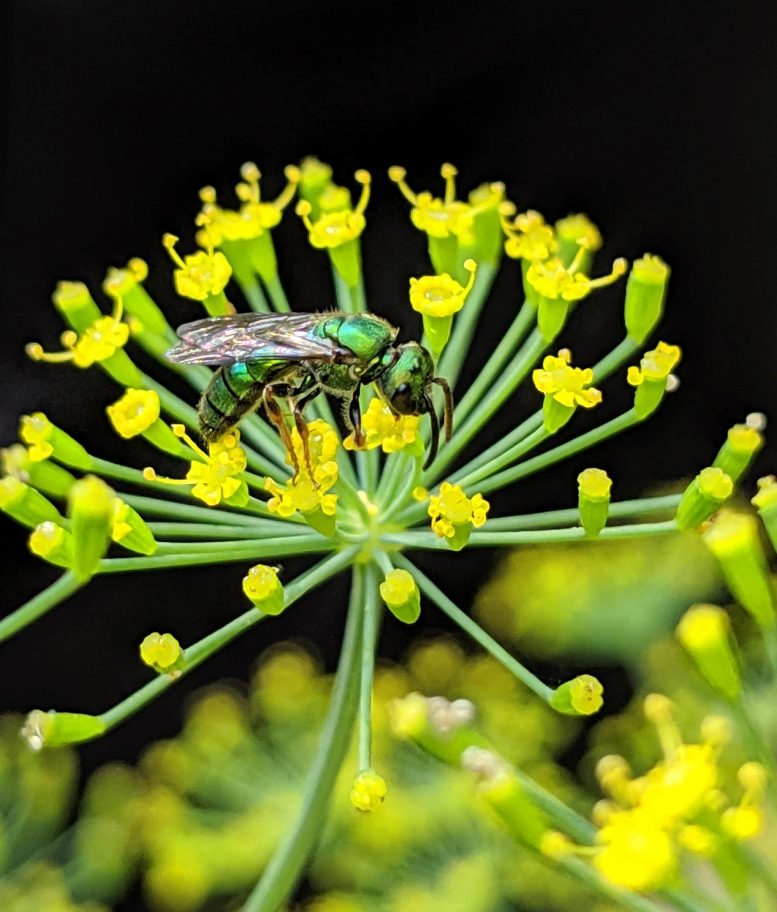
(255, 337)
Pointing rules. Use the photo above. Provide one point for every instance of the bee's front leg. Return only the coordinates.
(355, 417)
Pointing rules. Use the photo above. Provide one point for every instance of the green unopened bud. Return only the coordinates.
(572, 233)
(53, 729)
(48, 477)
(652, 378)
(315, 177)
(487, 235)
(45, 439)
(264, 589)
(704, 634)
(129, 529)
(736, 454)
(323, 523)
(75, 303)
(125, 284)
(555, 414)
(53, 543)
(400, 593)
(733, 539)
(765, 502)
(703, 496)
(90, 510)
(593, 499)
(163, 653)
(645, 293)
(582, 696)
(552, 314)
(24, 504)
(500, 787)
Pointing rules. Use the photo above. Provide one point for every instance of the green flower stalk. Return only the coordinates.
(362, 501)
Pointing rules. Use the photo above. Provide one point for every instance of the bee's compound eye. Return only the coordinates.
(402, 401)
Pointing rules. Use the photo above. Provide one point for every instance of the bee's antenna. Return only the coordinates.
(435, 431)
(448, 413)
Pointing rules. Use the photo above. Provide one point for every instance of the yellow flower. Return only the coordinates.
(552, 280)
(637, 853)
(262, 586)
(120, 281)
(303, 492)
(98, 342)
(160, 651)
(199, 275)
(595, 484)
(335, 228)
(570, 386)
(36, 430)
(529, 237)
(656, 365)
(439, 218)
(134, 413)
(368, 790)
(213, 475)
(441, 296)
(381, 428)
(451, 510)
(579, 230)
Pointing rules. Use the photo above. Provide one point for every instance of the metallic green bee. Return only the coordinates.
(262, 358)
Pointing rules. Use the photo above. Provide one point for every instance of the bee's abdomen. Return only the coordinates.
(233, 391)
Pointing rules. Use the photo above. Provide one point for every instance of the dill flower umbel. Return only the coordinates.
(291, 486)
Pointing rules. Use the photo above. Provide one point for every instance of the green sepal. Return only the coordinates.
(716, 662)
(648, 396)
(460, 537)
(50, 478)
(645, 293)
(567, 251)
(346, 259)
(735, 460)
(140, 538)
(274, 604)
(60, 552)
(76, 305)
(161, 436)
(488, 243)
(697, 505)
(240, 497)
(120, 367)
(68, 450)
(551, 316)
(138, 303)
(523, 819)
(261, 253)
(444, 255)
(25, 504)
(530, 293)
(54, 729)
(438, 331)
(216, 305)
(554, 414)
(240, 261)
(321, 522)
(408, 612)
(90, 517)
(593, 514)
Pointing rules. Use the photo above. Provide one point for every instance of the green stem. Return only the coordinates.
(200, 651)
(623, 509)
(38, 605)
(524, 320)
(252, 292)
(212, 531)
(372, 612)
(611, 362)
(515, 452)
(342, 292)
(427, 540)
(277, 294)
(204, 553)
(477, 633)
(152, 506)
(285, 867)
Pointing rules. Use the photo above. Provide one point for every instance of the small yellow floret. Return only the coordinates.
(261, 582)
(637, 854)
(529, 237)
(655, 365)
(568, 385)
(336, 227)
(46, 538)
(595, 484)
(578, 229)
(381, 428)
(134, 413)
(35, 430)
(552, 280)
(585, 694)
(119, 281)
(199, 275)
(441, 295)
(397, 588)
(160, 651)
(767, 492)
(701, 626)
(438, 218)
(98, 342)
(368, 791)
(451, 508)
(302, 492)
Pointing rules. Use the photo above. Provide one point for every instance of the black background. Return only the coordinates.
(657, 119)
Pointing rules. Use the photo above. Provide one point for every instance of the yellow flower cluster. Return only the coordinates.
(383, 429)
(213, 475)
(570, 386)
(98, 342)
(307, 491)
(451, 509)
(678, 804)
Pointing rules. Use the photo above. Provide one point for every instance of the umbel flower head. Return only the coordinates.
(361, 495)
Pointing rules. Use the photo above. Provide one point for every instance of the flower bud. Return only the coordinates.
(400, 593)
(645, 292)
(24, 504)
(702, 497)
(368, 790)
(487, 235)
(651, 377)
(437, 298)
(53, 729)
(733, 539)
(45, 439)
(264, 589)
(76, 305)
(129, 529)
(582, 696)
(593, 499)
(765, 502)
(704, 634)
(51, 542)
(136, 413)
(90, 509)
(572, 233)
(315, 177)
(736, 454)
(48, 477)
(163, 653)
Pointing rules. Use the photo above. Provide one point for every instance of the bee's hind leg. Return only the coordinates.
(275, 415)
(301, 425)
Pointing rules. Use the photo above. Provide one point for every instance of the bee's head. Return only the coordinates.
(405, 384)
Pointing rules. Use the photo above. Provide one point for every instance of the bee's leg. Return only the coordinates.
(302, 428)
(275, 415)
(355, 417)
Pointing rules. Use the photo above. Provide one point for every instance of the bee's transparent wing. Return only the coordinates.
(255, 337)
